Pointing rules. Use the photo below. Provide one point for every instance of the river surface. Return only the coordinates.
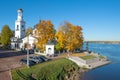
(106, 72)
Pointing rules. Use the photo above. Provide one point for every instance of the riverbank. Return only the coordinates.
(107, 72)
(90, 60)
(74, 72)
(84, 69)
(96, 64)
(99, 64)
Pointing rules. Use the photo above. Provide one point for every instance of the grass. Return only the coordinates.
(73, 54)
(52, 70)
(101, 57)
(88, 57)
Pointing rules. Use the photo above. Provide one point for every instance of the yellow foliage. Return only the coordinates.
(70, 36)
(45, 32)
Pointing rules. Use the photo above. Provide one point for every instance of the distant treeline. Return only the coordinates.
(104, 42)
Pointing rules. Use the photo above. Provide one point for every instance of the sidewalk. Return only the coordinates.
(9, 59)
(78, 61)
(4, 75)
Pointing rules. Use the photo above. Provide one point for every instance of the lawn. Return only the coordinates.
(101, 57)
(52, 70)
(73, 54)
(88, 57)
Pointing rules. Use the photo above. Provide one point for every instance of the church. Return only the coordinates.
(20, 40)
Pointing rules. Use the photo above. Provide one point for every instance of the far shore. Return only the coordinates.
(104, 42)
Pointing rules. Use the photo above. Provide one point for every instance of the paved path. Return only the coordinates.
(77, 61)
(4, 75)
(9, 59)
(100, 63)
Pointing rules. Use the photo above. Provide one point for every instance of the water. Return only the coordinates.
(107, 72)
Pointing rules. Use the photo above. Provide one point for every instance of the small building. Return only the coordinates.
(50, 48)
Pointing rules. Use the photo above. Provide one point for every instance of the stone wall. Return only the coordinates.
(89, 61)
(92, 60)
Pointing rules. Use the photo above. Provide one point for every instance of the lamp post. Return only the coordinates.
(28, 51)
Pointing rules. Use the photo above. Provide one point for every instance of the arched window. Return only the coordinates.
(49, 50)
(17, 27)
(23, 27)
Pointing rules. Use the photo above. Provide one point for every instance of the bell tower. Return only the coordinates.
(20, 25)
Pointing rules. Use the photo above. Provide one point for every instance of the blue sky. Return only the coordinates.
(100, 19)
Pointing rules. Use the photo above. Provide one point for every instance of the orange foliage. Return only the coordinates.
(70, 36)
(45, 32)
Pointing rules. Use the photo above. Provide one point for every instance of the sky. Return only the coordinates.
(100, 19)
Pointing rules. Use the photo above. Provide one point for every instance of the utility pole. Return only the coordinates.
(28, 51)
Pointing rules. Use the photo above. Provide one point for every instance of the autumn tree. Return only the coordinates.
(46, 32)
(69, 36)
(6, 34)
(60, 39)
(29, 31)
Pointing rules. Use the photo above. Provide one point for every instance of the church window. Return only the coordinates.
(17, 27)
(23, 27)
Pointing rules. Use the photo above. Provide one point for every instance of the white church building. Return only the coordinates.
(20, 40)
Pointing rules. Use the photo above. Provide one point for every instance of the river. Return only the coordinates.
(106, 72)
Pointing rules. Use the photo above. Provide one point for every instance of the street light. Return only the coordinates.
(28, 51)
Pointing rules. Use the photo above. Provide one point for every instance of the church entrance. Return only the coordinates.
(49, 50)
(16, 45)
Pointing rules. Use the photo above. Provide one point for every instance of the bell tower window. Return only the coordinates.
(17, 28)
(23, 27)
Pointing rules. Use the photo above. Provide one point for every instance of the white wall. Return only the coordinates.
(21, 31)
(12, 45)
(50, 51)
(31, 40)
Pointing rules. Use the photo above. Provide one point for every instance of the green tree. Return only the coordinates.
(29, 31)
(6, 34)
